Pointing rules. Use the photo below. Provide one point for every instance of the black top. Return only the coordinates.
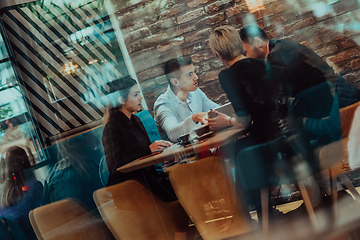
(249, 93)
(124, 140)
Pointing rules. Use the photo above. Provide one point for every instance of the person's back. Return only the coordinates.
(76, 175)
(20, 191)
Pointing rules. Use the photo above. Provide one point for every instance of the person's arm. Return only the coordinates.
(326, 126)
(173, 128)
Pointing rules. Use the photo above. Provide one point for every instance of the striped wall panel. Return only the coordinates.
(66, 56)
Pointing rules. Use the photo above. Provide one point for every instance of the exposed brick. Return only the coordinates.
(166, 56)
(150, 73)
(170, 44)
(147, 85)
(202, 67)
(134, 47)
(140, 33)
(172, 11)
(266, 2)
(202, 56)
(209, 76)
(132, 15)
(194, 36)
(208, 88)
(312, 43)
(237, 9)
(153, 39)
(355, 64)
(184, 28)
(161, 80)
(327, 50)
(350, 77)
(276, 20)
(298, 25)
(132, 26)
(195, 3)
(348, 43)
(217, 6)
(162, 25)
(236, 22)
(211, 20)
(218, 97)
(190, 49)
(280, 7)
(345, 6)
(273, 33)
(145, 59)
(215, 63)
(190, 15)
(357, 75)
(346, 55)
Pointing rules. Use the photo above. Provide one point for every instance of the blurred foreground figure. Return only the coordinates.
(76, 175)
(20, 191)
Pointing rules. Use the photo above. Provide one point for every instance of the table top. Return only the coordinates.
(219, 139)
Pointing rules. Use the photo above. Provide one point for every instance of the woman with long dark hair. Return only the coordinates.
(125, 138)
(20, 192)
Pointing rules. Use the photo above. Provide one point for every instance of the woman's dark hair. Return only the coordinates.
(119, 88)
(14, 161)
(122, 86)
(248, 33)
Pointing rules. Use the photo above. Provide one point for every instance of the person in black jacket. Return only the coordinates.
(125, 138)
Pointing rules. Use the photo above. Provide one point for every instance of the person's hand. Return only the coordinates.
(159, 145)
(220, 121)
(200, 117)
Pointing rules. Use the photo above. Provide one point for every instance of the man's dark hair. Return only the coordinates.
(173, 66)
(248, 33)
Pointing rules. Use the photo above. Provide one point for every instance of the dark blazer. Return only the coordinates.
(124, 140)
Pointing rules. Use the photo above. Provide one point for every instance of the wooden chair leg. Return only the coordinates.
(334, 195)
(308, 204)
(349, 186)
(265, 211)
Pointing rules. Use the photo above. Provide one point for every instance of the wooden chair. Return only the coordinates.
(131, 212)
(207, 193)
(66, 219)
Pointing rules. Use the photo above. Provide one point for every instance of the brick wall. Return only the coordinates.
(156, 31)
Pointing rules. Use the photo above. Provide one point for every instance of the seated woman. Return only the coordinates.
(76, 175)
(20, 192)
(125, 139)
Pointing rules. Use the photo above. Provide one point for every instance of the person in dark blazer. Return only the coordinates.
(125, 139)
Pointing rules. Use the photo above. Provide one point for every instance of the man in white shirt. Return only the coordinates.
(183, 107)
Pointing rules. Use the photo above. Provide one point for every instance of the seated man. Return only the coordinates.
(183, 107)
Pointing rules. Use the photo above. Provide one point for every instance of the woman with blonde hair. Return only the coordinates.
(20, 191)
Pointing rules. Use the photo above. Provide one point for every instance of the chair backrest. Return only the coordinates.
(149, 124)
(346, 118)
(66, 219)
(103, 171)
(207, 194)
(131, 212)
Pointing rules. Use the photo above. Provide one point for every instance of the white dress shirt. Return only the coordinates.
(175, 116)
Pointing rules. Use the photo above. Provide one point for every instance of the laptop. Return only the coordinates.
(226, 108)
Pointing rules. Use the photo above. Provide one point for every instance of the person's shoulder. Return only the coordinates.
(163, 99)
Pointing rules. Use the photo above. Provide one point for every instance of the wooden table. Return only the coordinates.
(219, 139)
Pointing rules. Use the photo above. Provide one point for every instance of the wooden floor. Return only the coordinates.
(287, 207)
